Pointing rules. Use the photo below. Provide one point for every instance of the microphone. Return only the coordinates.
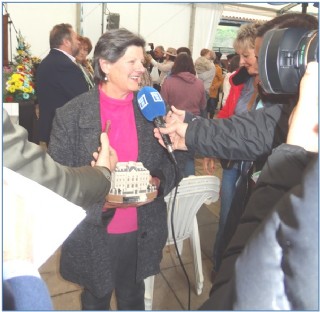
(153, 109)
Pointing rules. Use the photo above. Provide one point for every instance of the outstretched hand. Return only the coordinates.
(106, 156)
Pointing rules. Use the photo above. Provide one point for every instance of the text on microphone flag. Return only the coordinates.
(156, 96)
(151, 103)
(142, 101)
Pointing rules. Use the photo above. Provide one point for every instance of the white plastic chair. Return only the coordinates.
(13, 111)
(193, 192)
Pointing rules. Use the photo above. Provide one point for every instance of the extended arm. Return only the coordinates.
(246, 137)
(83, 186)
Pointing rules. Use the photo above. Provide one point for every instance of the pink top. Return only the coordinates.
(123, 138)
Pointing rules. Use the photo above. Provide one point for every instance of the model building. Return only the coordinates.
(130, 182)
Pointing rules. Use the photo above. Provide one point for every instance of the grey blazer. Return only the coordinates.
(85, 257)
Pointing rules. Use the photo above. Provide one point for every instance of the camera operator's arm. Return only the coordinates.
(303, 129)
(247, 136)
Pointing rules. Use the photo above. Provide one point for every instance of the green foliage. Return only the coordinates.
(225, 36)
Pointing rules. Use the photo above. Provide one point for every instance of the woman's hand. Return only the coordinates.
(208, 165)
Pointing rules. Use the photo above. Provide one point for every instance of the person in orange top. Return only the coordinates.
(214, 91)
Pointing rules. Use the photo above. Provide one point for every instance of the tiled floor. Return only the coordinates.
(170, 287)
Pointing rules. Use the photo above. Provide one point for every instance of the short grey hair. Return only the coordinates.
(111, 46)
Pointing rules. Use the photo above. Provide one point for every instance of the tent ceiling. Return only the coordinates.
(262, 11)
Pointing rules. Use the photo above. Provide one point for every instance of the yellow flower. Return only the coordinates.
(20, 68)
(18, 84)
(16, 77)
(12, 89)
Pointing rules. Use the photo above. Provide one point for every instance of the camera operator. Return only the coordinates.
(278, 267)
(151, 51)
(158, 54)
(250, 136)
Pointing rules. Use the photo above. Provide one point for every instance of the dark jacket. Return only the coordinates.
(277, 238)
(85, 257)
(58, 80)
(247, 137)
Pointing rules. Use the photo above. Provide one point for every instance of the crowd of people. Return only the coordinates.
(265, 252)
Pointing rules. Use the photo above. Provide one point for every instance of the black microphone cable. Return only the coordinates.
(177, 171)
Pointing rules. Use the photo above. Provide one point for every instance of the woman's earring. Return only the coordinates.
(106, 77)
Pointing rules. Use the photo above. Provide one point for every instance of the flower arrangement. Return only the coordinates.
(19, 77)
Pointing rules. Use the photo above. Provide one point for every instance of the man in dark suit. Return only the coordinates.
(58, 78)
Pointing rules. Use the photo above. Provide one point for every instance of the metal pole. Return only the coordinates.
(78, 19)
(304, 7)
(10, 38)
(139, 17)
(102, 18)
(192, 22)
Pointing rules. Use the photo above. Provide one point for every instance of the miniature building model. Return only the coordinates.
(130, 183)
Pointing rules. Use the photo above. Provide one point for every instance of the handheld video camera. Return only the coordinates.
(151, 45)
(284, 56)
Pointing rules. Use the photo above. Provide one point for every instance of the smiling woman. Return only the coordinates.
(123, 76)
(118, 63)
(114, 248)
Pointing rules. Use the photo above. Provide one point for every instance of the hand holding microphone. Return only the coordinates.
(175, 114)
(176, 131)
(153, 109)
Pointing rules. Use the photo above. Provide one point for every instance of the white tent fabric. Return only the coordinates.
(169, 24)
(206, 22)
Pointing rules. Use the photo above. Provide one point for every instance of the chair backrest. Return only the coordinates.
(193, 191)
(13, 111)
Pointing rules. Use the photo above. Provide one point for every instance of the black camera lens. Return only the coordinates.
(284, 56)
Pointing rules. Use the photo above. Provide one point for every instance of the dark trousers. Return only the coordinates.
(129, 292)
(212, 106)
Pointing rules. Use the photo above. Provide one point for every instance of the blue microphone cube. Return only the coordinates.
(151, 103)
